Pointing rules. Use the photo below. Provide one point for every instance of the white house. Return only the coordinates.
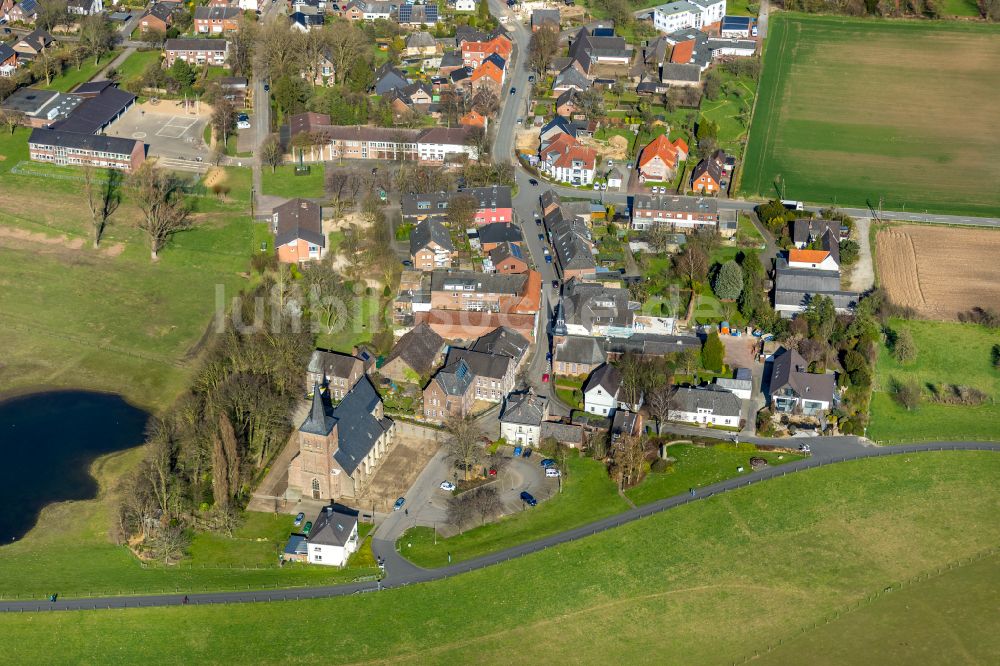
(85, 7)
(333, 538)
(705, 406)
(821, 260)
(465, 5)
(795, 389)
(682, 14)
(438, 143)
(521, 421)
(741, 388)
(601, 391)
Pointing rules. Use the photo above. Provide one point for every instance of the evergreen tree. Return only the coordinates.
(713, 352)
(728, 281)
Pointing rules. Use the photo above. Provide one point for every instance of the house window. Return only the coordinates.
(315, 488)
(318, 557)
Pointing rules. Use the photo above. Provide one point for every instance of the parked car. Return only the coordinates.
(604, 186)
(552, 472)
(399, 504)
(308, 528)
(555, 284)
(538, 221)
(493, 471)
(243, 121)
(548, 462)
(520, 120)
(528, 498)
(513, 91)
(517, 451)
(407, 263)
(527, 452)
(804, 448)
(548, 356)
(541, 237)
(611, 163)
(533, 182)
(545, 378)
(548, 258)
(596, 186)
(299, 518)
(447, 485)
(531, 78)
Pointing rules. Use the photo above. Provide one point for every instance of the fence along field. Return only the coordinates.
(851, 111)
(939, 271)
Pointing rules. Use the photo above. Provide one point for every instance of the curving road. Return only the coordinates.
(399, 572)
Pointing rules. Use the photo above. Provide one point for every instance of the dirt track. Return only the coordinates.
(939, 271)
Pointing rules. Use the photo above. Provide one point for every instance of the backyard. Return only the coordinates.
(947, 353)
(727, 575)
(71, 77)
(821, 133)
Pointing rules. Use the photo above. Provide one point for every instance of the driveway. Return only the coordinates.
(863, 272)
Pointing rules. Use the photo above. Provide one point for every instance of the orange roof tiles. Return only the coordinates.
(808, 256)
(666, 150)
(682, 52)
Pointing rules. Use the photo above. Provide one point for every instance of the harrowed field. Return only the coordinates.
(854, 111)
(714, 581)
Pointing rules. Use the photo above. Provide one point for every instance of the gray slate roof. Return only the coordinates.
(96, 112)
(299, 218)
(720, 401)
(683, 72)
(499, 232)
(481, 364)
(455, 378)
(607, 377)
(333, 526)
(429, 231)
(587, 304)
(580, 349)
(571, 241)
(676, 204)
(563, 432)
(418, 348)
(651, 344)
(357, 426)
(193, 44)
(332, 364)
(524, 409)
(504, 341)
(318, 421)
(108, 144)
(789, 373)
(446, 280)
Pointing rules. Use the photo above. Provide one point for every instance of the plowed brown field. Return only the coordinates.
(940, 271)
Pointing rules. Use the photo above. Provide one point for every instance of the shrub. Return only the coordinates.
(904, 349)
(659, 465)
(713, 352)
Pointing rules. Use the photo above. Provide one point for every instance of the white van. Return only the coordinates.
(552, 472)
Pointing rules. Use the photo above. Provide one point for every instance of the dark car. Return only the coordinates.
(513, 91)
(541, 237)
(555, 284)
(399, 504)
(532, 181)
(308, 528)
(527, 453)
(528, 498)
(531, 78)
(548, 356)
(299, 518)
(548, 462)
(407, 263)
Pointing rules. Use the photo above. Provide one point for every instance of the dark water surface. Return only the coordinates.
(47, 443)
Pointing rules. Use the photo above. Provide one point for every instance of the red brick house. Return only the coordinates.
(216, 20)
(79, 149)
(509, 259)
(658, 160)
(298, 232)
(710, 176)
(474, 53)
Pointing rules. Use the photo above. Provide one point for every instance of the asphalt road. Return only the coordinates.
(399, 572)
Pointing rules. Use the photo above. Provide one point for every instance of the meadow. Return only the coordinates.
(109, 319)
(947, 353)
(710, 582)
(856, 111)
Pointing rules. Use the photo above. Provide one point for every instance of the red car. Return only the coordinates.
(545, 377)
(493, 471)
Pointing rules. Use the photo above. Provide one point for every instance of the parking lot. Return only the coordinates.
(396, 475)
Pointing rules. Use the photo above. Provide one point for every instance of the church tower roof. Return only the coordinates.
(318, 422)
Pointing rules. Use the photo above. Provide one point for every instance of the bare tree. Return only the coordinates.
(635, 375)
(463, 442)
(542, 47)
(346, 42)
(628, 457)
(486, 502)
(242, 44)
(460, 510)
(97, 35)
(462, 210)
(11, 119)
(164, 210)
(271, 152)
(223, 119)
(103, 197)
(692, 264)
(659, 402)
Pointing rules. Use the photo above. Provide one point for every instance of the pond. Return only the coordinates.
(47, 443)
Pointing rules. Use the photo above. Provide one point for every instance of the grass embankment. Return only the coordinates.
(947, 353)
(284, 183)
(814, 133)
(69, 552)
(708, 582)
(698, 466)
(109, 319)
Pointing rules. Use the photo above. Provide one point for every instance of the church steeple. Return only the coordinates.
(317, 422)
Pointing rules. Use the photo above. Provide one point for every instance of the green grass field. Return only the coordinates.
(284, 183)
(109, 319)
(948, 353)
(69, 551)
(136, 64)
(709, 582)
(72, 77)
(851, 111)
(699, 466)
(882, 632)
